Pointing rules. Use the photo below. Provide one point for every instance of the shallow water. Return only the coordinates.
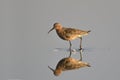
(26, 49)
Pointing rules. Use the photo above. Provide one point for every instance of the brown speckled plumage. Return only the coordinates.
(69, 34)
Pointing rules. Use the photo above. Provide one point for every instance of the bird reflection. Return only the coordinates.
(68, 63)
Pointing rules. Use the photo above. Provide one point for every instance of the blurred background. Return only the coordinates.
(26, 49)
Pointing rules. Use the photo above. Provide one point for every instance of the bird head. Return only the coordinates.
(55, 26)
(56, 72)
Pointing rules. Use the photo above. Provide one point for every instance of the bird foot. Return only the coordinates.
(81, 49)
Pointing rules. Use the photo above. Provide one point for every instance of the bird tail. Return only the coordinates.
(88, 31)
(88, 65)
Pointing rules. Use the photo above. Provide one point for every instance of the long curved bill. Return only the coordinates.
(50, 30)
(51, 68)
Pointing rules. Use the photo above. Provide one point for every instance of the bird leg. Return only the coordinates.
(80, 43)
(81, 55)
(70, 48)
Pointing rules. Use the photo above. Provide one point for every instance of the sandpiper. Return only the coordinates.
(69, 34)
(68, 64)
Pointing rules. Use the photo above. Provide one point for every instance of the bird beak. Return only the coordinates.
(51, 68)
(50, 30)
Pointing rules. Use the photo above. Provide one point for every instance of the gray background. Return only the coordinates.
(26, 49)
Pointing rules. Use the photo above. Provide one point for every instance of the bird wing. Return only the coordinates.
(71, 31)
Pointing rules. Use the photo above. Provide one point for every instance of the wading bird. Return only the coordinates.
(69, 34)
